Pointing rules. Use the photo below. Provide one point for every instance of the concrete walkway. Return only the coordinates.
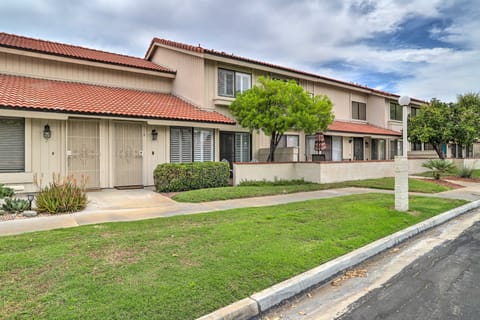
(113, 205)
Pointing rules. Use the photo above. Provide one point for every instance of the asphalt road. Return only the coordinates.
(442, 284)
(435, 275)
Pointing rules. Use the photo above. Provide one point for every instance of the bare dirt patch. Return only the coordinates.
(169, 194)
(472, 180)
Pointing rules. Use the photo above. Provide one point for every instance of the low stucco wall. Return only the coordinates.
(344, 171)
(326, 172)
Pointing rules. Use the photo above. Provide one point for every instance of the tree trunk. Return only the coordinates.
(438, 150)
(275, 139)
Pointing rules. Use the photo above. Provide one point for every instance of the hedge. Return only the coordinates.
(173, 177)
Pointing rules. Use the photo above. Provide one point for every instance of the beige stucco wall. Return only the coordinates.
(377, 111)
(189, 81)
(347, 148)
(155, 151)
(263, 171)
(20, 65)
(323, 172)
(341, 100)
(47, 155)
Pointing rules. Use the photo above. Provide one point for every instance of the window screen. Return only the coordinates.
(12, 144)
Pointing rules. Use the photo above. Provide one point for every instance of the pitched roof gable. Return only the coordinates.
(200, 49)
(76, 52)
(68, 97)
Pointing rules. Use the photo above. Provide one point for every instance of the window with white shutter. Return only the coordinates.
(181, 145)
(191, 144)
(231, 82)
(12, 144)
(243, 82)
(203, 145)
(242, 147)
(226, 79)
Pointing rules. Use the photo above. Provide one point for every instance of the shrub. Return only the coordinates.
(5, 191)
(14, 205)
(172, 177)
(465, 172)
(62, 195)
(439, 167)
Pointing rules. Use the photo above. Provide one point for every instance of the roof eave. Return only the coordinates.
(110, 115)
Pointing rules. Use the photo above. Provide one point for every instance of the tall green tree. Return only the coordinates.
(275, 106)
(441, 122)
(465, 119)
(432, 124)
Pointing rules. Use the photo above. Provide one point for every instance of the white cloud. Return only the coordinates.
(457, 73)
(299, 34)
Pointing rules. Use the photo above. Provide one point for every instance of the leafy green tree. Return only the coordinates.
(441, 122)
(465, 119)
(432, 124)
(275, 106)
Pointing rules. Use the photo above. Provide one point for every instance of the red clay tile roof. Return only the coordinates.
(68, 97)
(363, 128)
(200, 49)
(66, 50)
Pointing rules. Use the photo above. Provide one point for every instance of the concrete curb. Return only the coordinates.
(259, 302)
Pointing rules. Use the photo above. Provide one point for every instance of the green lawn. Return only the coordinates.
(186, 266)
(265, 189)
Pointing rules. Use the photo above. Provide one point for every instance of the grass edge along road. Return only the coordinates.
(263, 188)
(186, 266)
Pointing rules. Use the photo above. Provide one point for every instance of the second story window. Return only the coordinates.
(395, 112)
(359, 110)
(231, 82)
(414, 111)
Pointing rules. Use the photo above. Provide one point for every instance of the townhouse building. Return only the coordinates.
(73, 110)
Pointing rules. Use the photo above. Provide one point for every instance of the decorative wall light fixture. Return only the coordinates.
(47, 133)
(154, 134)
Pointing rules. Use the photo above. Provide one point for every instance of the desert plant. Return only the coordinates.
(5, 191)
(439, 167)
(465, 172)
(62, 195)
(15, 205)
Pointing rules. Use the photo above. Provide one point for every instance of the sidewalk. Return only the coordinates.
(111, 205)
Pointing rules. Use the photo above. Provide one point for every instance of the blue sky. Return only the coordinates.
(421, 48)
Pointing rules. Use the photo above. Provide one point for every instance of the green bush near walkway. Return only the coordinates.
(173, 177)
(187, 266)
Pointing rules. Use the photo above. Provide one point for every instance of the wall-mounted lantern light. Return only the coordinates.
(154, 134)
(349, 140)
(47, 133)
(366, 144)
